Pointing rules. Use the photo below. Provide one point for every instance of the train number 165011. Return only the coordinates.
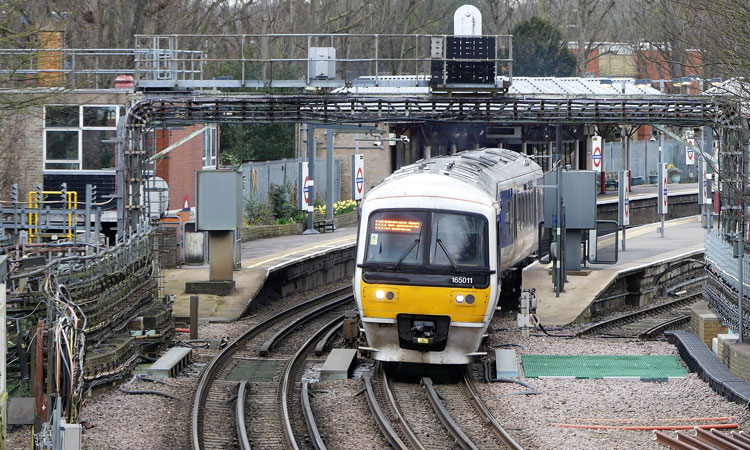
(462, 280)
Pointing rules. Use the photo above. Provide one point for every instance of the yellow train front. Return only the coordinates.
(436, 241)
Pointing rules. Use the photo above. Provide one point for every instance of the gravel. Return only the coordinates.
(529, 418)
(342, 415)
(121, 421)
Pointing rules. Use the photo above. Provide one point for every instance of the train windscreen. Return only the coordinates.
(396, 238)
(439, 239)
(458, 240)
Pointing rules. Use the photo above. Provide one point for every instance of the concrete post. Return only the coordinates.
(311, 184)
(193, 317)
(329, 174)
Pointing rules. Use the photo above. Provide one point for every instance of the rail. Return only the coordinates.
(240, 417)
(450, 425)
(287, 385)
(320, 347)
(498, 429)
(211, 371)
(658, 329)
(629, 317)
(312, 428)
(382, 421)
(289, 327)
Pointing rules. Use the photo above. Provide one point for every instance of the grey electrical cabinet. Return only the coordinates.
(321, 63)
(579, 198)
(219, 200)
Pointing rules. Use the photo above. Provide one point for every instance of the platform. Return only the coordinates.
(259, 258)
(682, 238)
(262, 257)
(645, 191)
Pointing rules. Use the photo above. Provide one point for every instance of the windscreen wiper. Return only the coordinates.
(406, 253)
(453, 263)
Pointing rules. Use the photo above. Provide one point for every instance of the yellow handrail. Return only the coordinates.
(71, 203)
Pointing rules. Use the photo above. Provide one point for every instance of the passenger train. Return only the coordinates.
(437, 239)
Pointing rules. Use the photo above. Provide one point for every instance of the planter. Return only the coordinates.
(674, 178)
(652, 179)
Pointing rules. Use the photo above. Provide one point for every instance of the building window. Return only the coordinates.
(74, 136)
(209, 147)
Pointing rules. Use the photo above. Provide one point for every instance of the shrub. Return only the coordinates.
(280, 198)
(340, 207)
(258, 212)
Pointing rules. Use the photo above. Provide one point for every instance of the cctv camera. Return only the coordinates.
(653, 139)
(405, 139)
(377, 143)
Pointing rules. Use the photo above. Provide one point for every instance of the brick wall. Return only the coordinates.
(182, 164)
(704, 323)
(21, 152)
(377, 161)
(21, 142)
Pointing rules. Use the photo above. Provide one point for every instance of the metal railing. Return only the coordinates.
(297, 61)
(77, 68)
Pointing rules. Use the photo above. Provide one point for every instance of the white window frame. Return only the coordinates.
(79, 129)
(210, 145)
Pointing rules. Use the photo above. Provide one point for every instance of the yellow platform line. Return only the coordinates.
(299, 250)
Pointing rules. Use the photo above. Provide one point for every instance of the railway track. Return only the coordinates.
(430, 416)
(646, 323)
(225, 409)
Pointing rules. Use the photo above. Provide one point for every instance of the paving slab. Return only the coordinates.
(259, 258)
(683, 237)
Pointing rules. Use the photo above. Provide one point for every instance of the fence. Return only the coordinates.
(674, 153)
(259, 176)
(721, 290)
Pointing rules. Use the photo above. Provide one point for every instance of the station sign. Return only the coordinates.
(690, 152)
(303, 188)
(663, 189)
(358, 176)
(624, 209)
(706, 184)
(597, 153)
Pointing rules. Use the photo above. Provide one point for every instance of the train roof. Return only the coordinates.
(484, 168)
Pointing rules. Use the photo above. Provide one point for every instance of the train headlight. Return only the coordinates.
(469, 299)
(380, 294)
(390, 295)
(459, 298)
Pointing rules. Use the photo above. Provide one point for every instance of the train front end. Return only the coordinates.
(425, 281)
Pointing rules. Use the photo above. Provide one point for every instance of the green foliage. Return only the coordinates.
(280, 198)
(339, 208)
(278, 209)
(539, 50)
(258, 212)
(259, 142)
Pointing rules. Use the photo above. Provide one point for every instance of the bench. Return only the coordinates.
(323, 225)
(610, 180)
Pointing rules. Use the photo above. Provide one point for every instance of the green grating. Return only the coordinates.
(604, 366)
(256, 370)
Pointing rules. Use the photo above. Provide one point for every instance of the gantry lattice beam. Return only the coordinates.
(676, 111)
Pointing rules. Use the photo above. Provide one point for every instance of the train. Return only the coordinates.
(439, 242)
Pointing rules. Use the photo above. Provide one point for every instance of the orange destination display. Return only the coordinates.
(396, 225)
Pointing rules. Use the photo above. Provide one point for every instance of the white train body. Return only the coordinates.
(435, 240)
